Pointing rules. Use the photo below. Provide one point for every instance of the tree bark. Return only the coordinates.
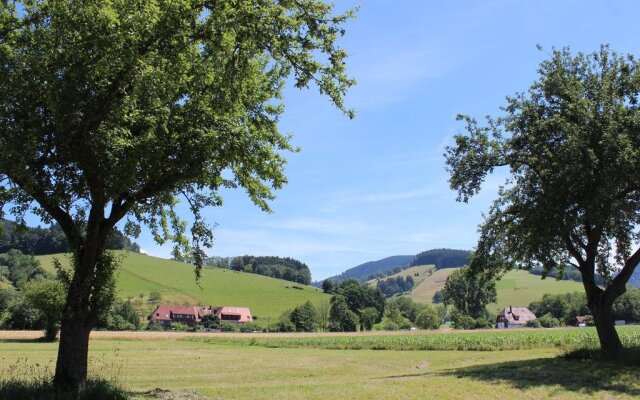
(610, 344)
(71, 366)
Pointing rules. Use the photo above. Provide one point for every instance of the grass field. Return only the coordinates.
(516, 288)
(266, 297)
(174, 366)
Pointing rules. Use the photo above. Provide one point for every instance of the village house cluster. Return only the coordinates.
(165, 314)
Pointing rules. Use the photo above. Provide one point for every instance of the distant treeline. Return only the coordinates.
(392, 286)
(442, 258)
(276, 267)
(39, 241)
(570, 273)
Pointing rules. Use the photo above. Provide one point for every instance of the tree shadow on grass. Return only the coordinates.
(580, 376)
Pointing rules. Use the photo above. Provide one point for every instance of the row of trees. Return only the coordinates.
(39, 241)
(276, 267)
(442, 258)
(36, 297)
(566, 307)
(392, 286)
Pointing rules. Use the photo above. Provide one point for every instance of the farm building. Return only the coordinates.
(514, 317)
(165, 314)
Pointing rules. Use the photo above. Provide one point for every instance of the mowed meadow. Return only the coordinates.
(140, 274)
(524, 364)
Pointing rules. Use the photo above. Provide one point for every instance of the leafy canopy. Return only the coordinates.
(114, 109)
(572, 148)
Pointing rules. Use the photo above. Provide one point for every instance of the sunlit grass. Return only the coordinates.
(236, 367)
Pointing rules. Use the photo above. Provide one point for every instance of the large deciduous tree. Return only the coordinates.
(113, 110)
(470, 292)
(571, 145)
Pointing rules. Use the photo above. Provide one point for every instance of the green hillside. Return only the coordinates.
(419, 273)
(266, 297)
(516, 288)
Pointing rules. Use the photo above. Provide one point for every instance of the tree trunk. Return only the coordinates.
(71, 366)
(610, 344)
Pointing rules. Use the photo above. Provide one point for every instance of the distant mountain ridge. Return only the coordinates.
(363, 271)
(441, 258)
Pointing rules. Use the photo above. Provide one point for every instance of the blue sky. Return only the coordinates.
(376, 186)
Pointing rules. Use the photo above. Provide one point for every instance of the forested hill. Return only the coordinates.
(40, 241)
(276, 267)
(364, 271)
(442, 258)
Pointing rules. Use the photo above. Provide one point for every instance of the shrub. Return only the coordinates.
(390, 326)
(548, 321)
(154, 327)
(533, 323)
(227, 327)
(179, 326)
(428, 319)
(250, 327)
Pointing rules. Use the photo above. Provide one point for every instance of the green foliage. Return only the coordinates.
(227, 327)
(368, 317)
(284, 323)
(155, 297)
(179, 326)
(114, 110)
(627, 306)
(570, 144)
(533, 323)
(250, 327)
(285, 268)
(359, 296)
(406, 307)
(21, 314)
(122, 316)
(564, 307)
(211, 321)
(48, 297)
(390, 325)
(154, 327)
(428, 318)
(470, 292)
(304, 318)
(438, 297)
(464, 321)
(341, 318)
(328, 286)
(38, 241)
(393, 286)
(19, 268)
(442, 258)
(548, 321)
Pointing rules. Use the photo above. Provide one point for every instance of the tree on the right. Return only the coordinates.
(570, 148)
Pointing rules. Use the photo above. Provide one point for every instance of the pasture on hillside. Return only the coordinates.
(267, 298)
(319, 366)
(516, 288)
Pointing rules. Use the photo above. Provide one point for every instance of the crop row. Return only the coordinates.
(475, 341)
